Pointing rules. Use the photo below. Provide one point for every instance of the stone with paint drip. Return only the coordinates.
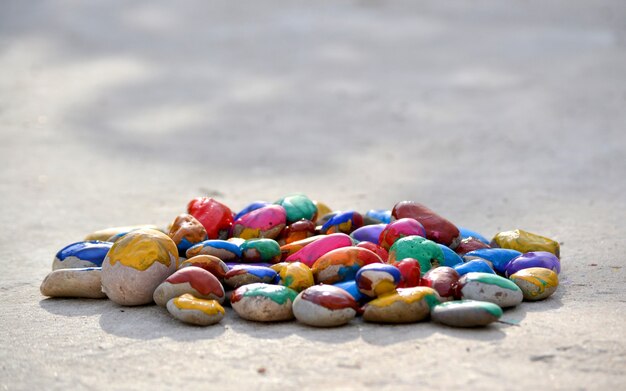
(342, 264)
(316, 249)
(81, 255)
(263, 302)
(225, 250)
(75, 282)
(213, 265)
(376, 279)
(427, 252)
(186, 231)
(524, 242)
(260, 250)
(343, 222)
(296, 275)
(193, 280)
(325, 306)
(407, 305)
(193, 310)
(489, 287)
(466, 313)
(399, 229)
(241, 275)
(136, 264)
(266, 222)
(536, 283)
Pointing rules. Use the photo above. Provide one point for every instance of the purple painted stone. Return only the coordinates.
(369, 233)
(534, 259)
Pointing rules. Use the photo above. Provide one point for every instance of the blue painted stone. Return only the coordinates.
(224, 250)
(369, 233)
(81, 254)
(251, 207)
(344, 222)
(450, 258)
(466, 233)
(248, 274)
(382, 215)
(351, 287)
(477, 265)
(232, 265)
(377, 279)
(497, 257)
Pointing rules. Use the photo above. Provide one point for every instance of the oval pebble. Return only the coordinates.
(343, 222)
(368, 233)
(427, 252)
(410, 271)
(213, 265)
(524, 242)
(81, 255)
(491, 288)
(498, 258)
(216, 217)
(342, 264)
(466, 313)
(400, 229)
(186, 231)
(296, 275)
(536, 283)
(375, 279)
(260, 250)
(75, 282)
(136, 264)
(438, 229)
(474, 266)
(196, 311)
(193, 280)
(406, 305)
(263, 302)
(542, 259)
(298, 207)
(225, 250)
(266, 222)
(443, 279)
(247, 274)
(313, 251)
(324, 306)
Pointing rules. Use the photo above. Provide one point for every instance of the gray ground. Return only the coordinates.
(498, 115)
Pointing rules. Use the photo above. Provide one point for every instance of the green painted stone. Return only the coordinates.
(260, 250)
(298, 207)
(427, 252)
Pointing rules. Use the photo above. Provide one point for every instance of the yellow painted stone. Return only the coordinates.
(524, 242)
(322, 209)
(190, 302)
(141, 248)
(536, 283)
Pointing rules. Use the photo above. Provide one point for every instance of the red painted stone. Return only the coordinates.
(410, 271)
(438, 229)
(399, 229)
(469, 244)
(378, 250)
(299, 230)
(443, 279)
(199, 279)
(216, 217)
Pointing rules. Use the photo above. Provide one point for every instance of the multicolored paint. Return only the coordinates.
(276, 293)
(342, 264)
(192, 279)
(403, 306)
(438, 229)
(443, 279)
(375, 280)
(296, 275)
(466, 313)
(222, 249)
(300, 230)
(212, 264)
(400, 229)
(524, 242)
(352, 289)
(287, 250)
(260, 250)
(450, 258)
(251, 207)
(498, 258)
(343, 222)
(368, 233)
(322, 209)
(216, 217)
(313, 251)
(263, 302)
(186, 231)
(489, 287)
(467, 233)
(247, 274)
(105, 234)
(381, 215)
(427, 252)
(536, 283)
(533, 259)
(325, 306)
(190, 302)
(298, 207)
(474, 266)
(266, 222)
(81, 254)
(410, 272)
(142, 248)
(376, 249)
(470, 244)
(193, 310)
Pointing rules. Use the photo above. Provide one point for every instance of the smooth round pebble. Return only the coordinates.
(260, 250)
(196, 311)
(489, 287)
(263, 302)
(443, 279)
(75, 282)
(325, 306)
(248, 274)
(265, 222)
(212, 264)
(406, 305)
(542, 259)
(81, 255)
(536, 283)
(466, 313)
(193, 280)
(377, 279)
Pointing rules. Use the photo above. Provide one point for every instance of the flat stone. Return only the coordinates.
(466, 313)
(196, 311)
(325, 306)
(263, 302)
(75, 282)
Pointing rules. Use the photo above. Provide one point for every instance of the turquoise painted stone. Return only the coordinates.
(427, 252)
(260, 250)
(263, 302)
(298, 207)
(466, 313)
(489, 287)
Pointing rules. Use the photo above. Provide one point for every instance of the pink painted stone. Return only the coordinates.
(399, 229)
(266, 222)
(313, 251)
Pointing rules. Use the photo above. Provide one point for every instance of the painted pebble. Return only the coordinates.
(136, 265)
(342, 264)
(266, 222)
(105, 234)
(212, 264)
(186, 231)
(194, 280)
(450, 258)
(298, 207)
(368, 233)
(474, 266)
(438, 229)
(497, 258)
(344, 222)
(489, 287)
(247, 274)
(469, 244)
(75, 282)
(313, 251)
(524, 242)
(410, 271)
(190, 309)
(251, 207)
(289, 249)
(227, 251)
(260, 250)
(81, 255)
(427, 252)
(296, 275)
(376, 249)
(399, 229)
(325, 306)
(300, 230)
(352, 289)
(533, 259)
(406, 305)
(263, 302)
(216, 217)
(466, 233)
(466, 313)
(377, 279)
(379, 215)
(536, 283)
(443, 279)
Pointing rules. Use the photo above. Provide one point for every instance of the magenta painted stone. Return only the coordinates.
(313, 251)
(542, 259)
(265, 222)
(399, 229)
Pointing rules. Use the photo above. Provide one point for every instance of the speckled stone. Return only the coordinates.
(263, 302)
(74, 282)
(325, 306)
(489, 287)
(466, 313)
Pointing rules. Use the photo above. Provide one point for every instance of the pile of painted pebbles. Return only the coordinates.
(296, 258)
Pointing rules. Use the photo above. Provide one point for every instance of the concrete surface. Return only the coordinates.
(496, 114)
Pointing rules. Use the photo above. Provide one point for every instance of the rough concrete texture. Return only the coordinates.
(499, 115)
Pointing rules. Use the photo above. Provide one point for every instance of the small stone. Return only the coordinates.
(466, 313)
(81, 255)
(325, 306)
(377, 279)
(524, 242)
(438, 229)
(105, 234)
(443, 279)
(427, 252)
(216, 217)
(342, 264)
(450, 258)
(225, 250)
(263, 302)
(260, 250)
(497, 258)
(376, 249)
(75, 282)
(193, 280)
(343, 222)
(300, 230)
(266, 222)
(248, 274)
(542, 259)
(469, 244)
(474, 266)
(489, 287)
(410, 271)
(406, 305)
(399, 229)
(313, 251)
(296, 275)
(298, 207)
(212, 264)
(536, 283)
(193, 310)
(186, 231)
(368, 233)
